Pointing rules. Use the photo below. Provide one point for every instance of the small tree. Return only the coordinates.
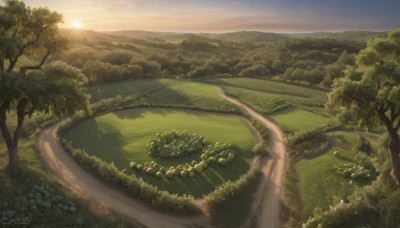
(30, 86)
(371, 92)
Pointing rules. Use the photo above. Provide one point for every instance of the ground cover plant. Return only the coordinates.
(175, 144)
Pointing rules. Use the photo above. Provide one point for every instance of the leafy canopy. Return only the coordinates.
(371, 92)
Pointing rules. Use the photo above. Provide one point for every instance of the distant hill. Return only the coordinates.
(143, 34)
(361, 36)
(254, 37)
(248, 36)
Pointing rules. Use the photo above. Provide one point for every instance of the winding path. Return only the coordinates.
(266, 204)
(104, 198)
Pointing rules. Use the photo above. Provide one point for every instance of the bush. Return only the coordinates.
(172, 144)
(226, 153)
(135, 186)
(372, 206)
(229, 189)
(310, 133)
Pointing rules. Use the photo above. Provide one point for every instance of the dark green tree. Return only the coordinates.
(31, 86)
(370, 92)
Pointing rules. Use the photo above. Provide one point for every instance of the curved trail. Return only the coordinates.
(266, 204)
(101, 195)
(104, 198)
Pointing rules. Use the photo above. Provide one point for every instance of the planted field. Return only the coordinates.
(123, 136)
(126, 88)
(296, 119)
(265, 103)
(191, 94)
(295, 94)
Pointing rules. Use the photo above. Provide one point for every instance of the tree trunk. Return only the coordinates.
(13, 167)
(394, 151)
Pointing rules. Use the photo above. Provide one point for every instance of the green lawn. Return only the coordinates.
(122, 136)
(319, 183)
(295, 119)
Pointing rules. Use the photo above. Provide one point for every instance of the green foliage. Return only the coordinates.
(31, 86)
(263, 103)
(364, 145)
(320, 184)
(309, 133)
(370, 93)
(126, 134)
(117, 57)
(294, 94)
(217, 154)
(172, 144)
(136, 187)
(262, 129)
(374, 206)
(229, 189)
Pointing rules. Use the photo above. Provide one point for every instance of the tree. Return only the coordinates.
(370, 92)
(35, 87)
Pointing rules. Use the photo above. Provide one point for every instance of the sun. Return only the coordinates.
(76, 24)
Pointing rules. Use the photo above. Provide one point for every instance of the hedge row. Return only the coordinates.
(134, 186)
(310, 133)
(230, 189)
(262, 129)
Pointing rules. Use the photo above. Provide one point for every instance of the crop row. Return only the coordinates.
(166, 97)
(283, 89)
(261, 102)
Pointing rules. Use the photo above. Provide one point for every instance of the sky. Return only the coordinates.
(282, 16)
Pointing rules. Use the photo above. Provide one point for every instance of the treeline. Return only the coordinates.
(310, 61)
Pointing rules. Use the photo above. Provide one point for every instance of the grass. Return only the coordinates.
(235, 211)
(122, 136)
(295, 94)
(319, 183)
(296, 119)
(126, 88)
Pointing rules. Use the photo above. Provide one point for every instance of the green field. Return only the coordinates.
(318, 180)
(296, 119)
(122, 136)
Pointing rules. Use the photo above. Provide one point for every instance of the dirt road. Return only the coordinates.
(268, 197)
(103, 197)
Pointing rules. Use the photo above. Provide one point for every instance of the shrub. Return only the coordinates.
(172, 144)
(229, 189)
(310, 133)
(135, 186)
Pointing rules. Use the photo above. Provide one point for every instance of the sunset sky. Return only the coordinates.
(228, 15)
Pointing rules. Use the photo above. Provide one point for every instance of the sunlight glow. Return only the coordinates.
(76, 24)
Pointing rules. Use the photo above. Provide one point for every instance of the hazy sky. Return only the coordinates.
(228, 15)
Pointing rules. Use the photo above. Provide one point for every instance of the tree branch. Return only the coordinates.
(16, 30)
(38, 66)
(13, 62)
(397, 126)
